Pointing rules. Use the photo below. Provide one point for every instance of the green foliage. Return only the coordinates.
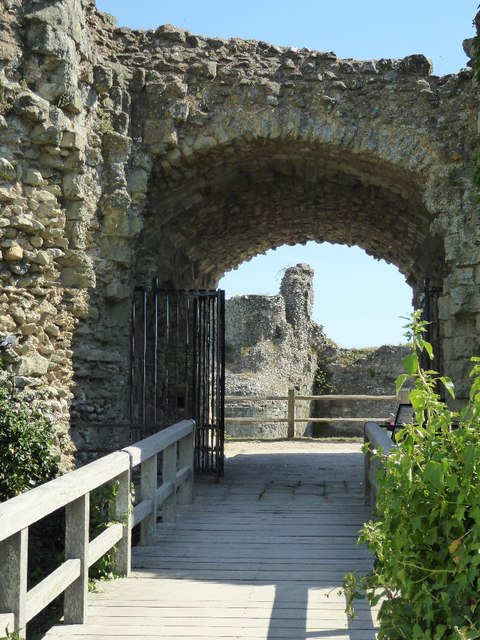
(322, 381)
(11, 635)
(28, 454)
(426, 536)
(102, 514)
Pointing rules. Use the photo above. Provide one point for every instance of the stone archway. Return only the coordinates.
(128, 154)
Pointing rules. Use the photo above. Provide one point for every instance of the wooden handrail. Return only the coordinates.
(309, 398)
(72, 491)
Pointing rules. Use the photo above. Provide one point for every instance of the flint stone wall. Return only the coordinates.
(130, 154)
(370, 371)
(272, 345)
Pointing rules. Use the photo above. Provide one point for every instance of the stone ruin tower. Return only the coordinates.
(272, 345)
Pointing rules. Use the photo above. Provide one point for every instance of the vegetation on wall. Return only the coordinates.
(28, 445)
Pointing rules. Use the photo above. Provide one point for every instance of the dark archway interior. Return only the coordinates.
(216, 210)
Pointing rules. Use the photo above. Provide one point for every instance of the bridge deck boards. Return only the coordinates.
(258, 556)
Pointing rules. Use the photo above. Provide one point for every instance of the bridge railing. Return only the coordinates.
(18, 605)
(292, 400)
(378, 438)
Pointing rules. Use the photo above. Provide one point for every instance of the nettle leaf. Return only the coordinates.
(440, 631)
(400, 381)
(426, 346)
(434, 473)
(453, 546)
(448, 384)
(410, 364)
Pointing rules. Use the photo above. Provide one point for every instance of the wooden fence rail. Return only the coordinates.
(291, 400)
(72, 491)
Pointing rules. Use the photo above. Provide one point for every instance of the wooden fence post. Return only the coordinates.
(185, 459)
(13, 585)
(77, 516)
(123, 562)
(148, 491)
(291, 414)
(169, 474)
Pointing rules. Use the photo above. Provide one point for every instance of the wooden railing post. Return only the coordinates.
(185, 459)
(123, 514)
(77, 518)
(169, 475)
(366, 470)
(13, 583)
(291, 414)
(148, 491)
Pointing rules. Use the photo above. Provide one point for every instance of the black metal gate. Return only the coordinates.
(429, 303)
(178, 367)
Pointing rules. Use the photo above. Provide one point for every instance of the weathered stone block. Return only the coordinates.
(32, 177)
(116, 147)
(78, 277)
(102, 78)
(74, 187)
(32, 365)
(7, 170)
(13, 253)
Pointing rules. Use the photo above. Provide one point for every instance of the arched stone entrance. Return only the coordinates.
(161, 153)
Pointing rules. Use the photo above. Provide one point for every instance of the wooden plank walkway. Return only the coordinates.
(258, 556)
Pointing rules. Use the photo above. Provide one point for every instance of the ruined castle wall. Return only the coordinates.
(272, 345)
(131, 154)
(369, 371)
(64, 147)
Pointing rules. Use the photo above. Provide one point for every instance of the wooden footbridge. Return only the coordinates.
(259, 555)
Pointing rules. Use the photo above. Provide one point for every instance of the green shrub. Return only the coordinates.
(426, 536)
(28, 455)
(102, 515)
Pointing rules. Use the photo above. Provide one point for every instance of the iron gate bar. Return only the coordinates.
(155, 349)
(177, 368)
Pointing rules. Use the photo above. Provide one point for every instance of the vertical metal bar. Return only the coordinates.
(203, 420)
(133, 357)
(221, 378)
(206, 367)
(155, 351)
(198, 384)
(144, 358)
(167, 356)
(213, 416)
(195, 378)
(186, 387)
(177, 356)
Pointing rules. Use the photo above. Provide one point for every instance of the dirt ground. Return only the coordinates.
(233, 448)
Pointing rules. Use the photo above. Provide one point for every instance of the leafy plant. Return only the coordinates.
(426, 536)
(11, 635)
(102, 514)
(28, 454)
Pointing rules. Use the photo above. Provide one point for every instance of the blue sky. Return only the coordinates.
(358, 300)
